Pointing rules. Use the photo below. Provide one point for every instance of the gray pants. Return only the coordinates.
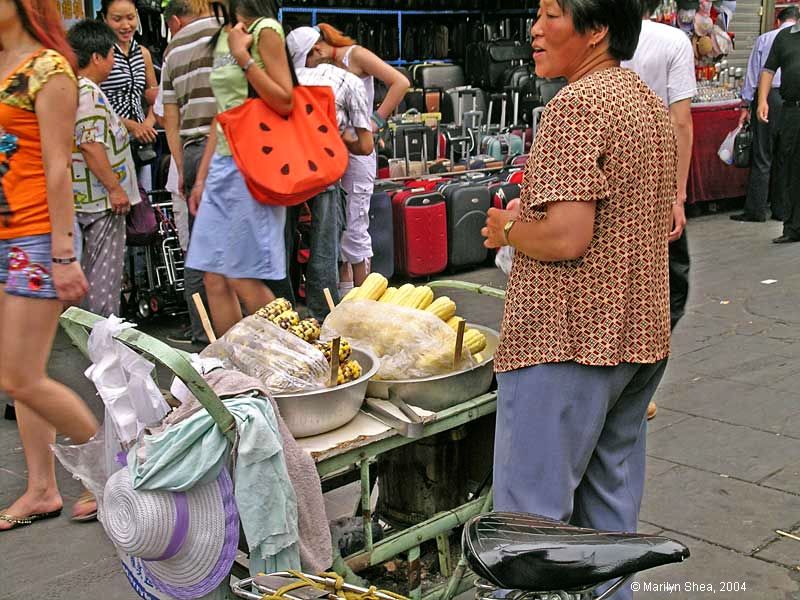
(570, 443)
(765, 136)
(103, 241)
(193, 279)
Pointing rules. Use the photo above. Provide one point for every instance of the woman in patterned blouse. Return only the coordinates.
(585, 333)
(39, 269)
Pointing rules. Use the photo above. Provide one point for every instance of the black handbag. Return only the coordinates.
(743, 147)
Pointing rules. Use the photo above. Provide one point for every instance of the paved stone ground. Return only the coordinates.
(724, 451)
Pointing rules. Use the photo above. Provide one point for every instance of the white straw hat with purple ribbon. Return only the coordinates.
(186, 541)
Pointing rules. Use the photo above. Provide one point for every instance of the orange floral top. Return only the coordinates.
(23, 189)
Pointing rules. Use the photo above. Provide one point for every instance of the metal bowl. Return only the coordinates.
(443, 391)
(319, 411)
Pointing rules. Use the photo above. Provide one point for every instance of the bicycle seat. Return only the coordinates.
(538, 554)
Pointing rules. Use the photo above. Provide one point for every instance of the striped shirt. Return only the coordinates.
(185, 77)
(124, 87)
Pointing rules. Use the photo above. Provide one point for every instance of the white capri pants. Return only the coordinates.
(358, 182)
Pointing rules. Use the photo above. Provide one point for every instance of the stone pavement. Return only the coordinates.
(724, 450)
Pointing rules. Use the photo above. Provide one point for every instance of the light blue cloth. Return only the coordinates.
(194, 450)
(758, 57)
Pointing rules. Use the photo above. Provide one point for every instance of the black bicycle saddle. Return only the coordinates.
(538, 554)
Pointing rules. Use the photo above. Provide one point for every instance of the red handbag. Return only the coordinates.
(287, 160)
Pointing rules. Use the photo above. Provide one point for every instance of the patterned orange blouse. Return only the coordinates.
(23, 190)
(604, 138)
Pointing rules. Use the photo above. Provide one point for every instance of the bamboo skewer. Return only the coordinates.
(462, 325)
(201, 310)
(329, 299)
(334, 377)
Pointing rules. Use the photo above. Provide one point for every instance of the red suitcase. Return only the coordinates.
(428, 184)
(503, 193)
(516, 177)
(420, 232)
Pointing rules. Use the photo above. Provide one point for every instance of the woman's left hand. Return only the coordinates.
(496, 220)
(239, 42)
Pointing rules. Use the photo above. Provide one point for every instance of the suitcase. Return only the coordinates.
(381, 230)
(458, 100)
(439, 76)
(467, 205)
(516, 177)
(500, 145)
(503, 193)
(424, 100)
(420, 232)
(488, 62)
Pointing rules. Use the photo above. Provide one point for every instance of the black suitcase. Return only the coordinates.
(381, 230)
(458, 100)
(467, 205)
(487, 62)
(439, 76)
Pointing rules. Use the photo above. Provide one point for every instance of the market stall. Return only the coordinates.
(350, 448)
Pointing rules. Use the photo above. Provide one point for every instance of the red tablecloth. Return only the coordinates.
(709, 177)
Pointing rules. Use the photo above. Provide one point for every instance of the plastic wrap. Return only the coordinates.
(281, 361)
(411, 344)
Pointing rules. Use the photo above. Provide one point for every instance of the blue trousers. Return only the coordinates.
(570, 443)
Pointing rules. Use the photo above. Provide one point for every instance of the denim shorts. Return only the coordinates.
(25, 267)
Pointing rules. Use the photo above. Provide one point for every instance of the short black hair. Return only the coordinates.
(790, 13)
(88, 37)
(622, 17)
(649, 7)
(177, 8)
(106, 4)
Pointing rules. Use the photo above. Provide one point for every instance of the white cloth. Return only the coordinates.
(664, 59)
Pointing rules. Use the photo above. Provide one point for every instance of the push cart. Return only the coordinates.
(351, 454)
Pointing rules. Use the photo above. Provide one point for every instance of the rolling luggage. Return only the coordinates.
(488, 62)
(503, 193)
(458, 100)
(500, 145)
(467, 204)
(381, 230)
(439, 76)
(420, 232)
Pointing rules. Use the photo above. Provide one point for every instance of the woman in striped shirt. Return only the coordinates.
(132, 81)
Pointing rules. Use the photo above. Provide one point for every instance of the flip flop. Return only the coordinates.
(29, 520)
(85, 498)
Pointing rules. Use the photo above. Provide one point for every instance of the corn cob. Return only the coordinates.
(349, 371)
(474, 340)
(344, 350)
(403, 293)
(443, 307)
(307, 329)
(388, 294)
(286, 319)
(422, 298)
(352, 294)
(373, 287)
(452, 322)
(274, 308)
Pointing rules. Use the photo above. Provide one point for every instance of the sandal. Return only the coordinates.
(85, 498)
(29, 520)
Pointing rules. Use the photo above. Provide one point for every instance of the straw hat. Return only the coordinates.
(186, 540)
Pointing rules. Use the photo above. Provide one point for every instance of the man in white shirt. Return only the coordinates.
(664, 59)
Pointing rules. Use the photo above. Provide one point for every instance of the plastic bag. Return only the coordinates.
(725, 151)
(122, 378)
(505, 259)
(280, 360)
(410, 343)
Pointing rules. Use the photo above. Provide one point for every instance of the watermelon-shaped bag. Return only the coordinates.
(287, 160)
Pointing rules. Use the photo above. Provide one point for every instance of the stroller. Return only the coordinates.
(153, 281)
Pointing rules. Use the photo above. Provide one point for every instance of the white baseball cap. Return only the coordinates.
(300, 41)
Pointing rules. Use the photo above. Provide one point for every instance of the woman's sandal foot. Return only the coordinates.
(85, 508)
(17, 522)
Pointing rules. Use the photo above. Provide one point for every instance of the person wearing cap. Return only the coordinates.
(326, 44)
(355, 125)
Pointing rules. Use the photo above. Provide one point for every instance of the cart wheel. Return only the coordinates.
(154, 305)
(143, 308)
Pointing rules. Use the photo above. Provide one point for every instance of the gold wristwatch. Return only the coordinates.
(507, 230)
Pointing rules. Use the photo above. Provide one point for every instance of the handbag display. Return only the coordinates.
(287, 160)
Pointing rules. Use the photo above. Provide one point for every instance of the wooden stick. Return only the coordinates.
(329, 299)
(335, 343)
(201, 310)
(788, 535)
(462, 325)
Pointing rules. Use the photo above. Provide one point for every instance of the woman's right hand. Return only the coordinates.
(763, 112)
(143, 133)
(70, 282)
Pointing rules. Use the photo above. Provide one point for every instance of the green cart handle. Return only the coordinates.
(77, 323)
(485, 290)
